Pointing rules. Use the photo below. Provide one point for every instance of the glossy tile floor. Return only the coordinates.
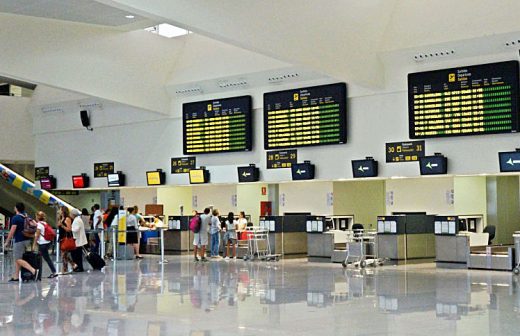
(291, 297)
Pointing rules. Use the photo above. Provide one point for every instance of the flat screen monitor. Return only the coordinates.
(433, 165)
(302, 171)
(364, 168)
(48, 183)
(199, 176)
(156, 177)
(80, 181)
(219, 125)
(116, 180)
(310, 116)
(248, 174)
(469, 100)
(509, 161)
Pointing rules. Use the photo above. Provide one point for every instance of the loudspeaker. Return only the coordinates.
(85, 120)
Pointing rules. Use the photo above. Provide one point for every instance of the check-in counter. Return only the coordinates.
(405, 237)
(178, 238)
(287, 234)
(499, 258)
(326, 234)
(452, 245)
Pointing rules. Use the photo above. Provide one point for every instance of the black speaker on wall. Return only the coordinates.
(85, 119)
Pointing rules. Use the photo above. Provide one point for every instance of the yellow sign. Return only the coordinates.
(121, 226)
(296, 97)
(197, 176)
(153, 178)
(210, 107)
(451, 77)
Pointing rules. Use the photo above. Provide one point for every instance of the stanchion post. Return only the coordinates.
(163, 260)
(102, 242)
(57, 246)
(3, 242)
(114, 242)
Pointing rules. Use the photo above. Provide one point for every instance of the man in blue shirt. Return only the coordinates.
(21, 242)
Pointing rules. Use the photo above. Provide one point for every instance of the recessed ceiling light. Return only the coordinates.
(130, 16)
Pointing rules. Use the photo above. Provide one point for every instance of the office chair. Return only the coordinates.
(491, 230)
(357, 230)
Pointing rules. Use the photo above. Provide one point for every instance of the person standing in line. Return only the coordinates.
(65, 229)
(21, 242)
(140, 222)
(131, 231)
(241, 225)
(200, 239)
(43, 244)
(230, 237)
(215, 234)
(193, 227)
(78, 232)
(97, 224)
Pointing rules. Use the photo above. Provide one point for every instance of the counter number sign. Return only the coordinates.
(182, 165)
(281, 159)
(103, 169)
(404, 151)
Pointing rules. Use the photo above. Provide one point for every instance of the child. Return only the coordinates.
(230, 237)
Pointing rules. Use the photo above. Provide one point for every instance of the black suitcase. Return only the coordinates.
(94, 260)
(35, 260)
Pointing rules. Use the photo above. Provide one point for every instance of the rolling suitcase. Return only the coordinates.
(94, 260)
(35, 260)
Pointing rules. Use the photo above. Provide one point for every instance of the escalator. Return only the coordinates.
(15, 188)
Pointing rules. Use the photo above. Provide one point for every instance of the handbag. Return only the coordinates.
(67, 244)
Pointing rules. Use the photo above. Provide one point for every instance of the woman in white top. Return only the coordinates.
(241, 225)
(80, 237)
(132, 233)
(43, 244)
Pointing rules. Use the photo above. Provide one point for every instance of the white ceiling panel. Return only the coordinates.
(83, 11)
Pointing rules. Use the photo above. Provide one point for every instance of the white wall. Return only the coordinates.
(138, 196)
(420, 194)
(221, 197)
(16, 130)
(305, 197)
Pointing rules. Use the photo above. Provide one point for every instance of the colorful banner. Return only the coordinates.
(28, 187)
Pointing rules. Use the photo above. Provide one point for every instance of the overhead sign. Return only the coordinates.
(103, 169)
(40, 172)
(281, 159)
(182, 165)
(509, 161)
(404, 151)
(433, 165)
(364, 168)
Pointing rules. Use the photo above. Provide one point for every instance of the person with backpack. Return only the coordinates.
(200, 239)
(21, 241)
(195, 228)
(44, 237)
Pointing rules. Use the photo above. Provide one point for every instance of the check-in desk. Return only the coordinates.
(500, 258)
(287, 234)
(405, 237)
(178, 238)
(326, 234)
(452, 245)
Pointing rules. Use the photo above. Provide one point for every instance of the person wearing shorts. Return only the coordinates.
(200, 239)
(21, 242)
(230, 237)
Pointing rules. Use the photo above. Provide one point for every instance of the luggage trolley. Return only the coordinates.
(362, 250)
(258, 245)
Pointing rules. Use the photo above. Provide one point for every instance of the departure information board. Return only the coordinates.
(305, 117)
(480, 99)
(213, 126)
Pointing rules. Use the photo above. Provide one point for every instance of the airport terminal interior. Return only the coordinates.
(289, 167)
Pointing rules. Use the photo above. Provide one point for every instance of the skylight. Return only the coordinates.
(167, 30)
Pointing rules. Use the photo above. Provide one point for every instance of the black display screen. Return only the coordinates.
(509, 161)
(305, 117)
(364, 168)
(248, 174)
(479, 99)
(220, 125)
(302, 171)
(433, 165)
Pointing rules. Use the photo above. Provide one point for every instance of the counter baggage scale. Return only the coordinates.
(405, 237)
(325, 234)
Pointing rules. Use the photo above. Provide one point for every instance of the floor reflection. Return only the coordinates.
(249, 298)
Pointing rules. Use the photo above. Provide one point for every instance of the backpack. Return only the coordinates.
(48, 232)
(195, 224)
(29, 227)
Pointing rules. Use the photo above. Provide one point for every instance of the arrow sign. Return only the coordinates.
(246, 174)
(432, 165)
(363, 169)
(512, 162)
(299, 172)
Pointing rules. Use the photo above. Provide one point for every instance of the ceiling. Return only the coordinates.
(83, 11)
